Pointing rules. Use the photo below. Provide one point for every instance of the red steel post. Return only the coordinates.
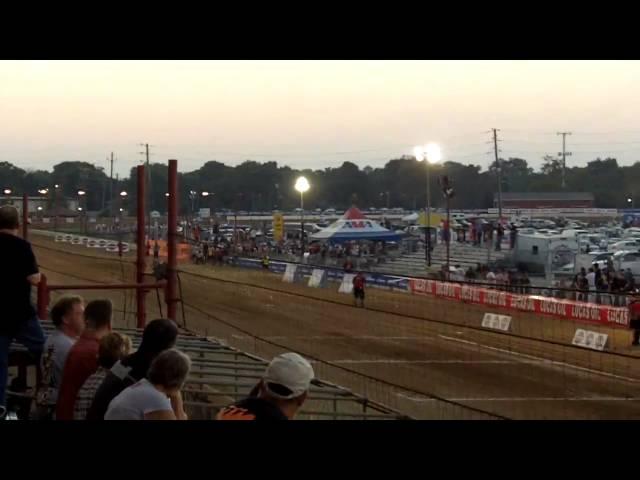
(140, 264)
(172, 223)
(43, 297)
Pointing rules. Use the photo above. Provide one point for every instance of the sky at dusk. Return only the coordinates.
(315, 114)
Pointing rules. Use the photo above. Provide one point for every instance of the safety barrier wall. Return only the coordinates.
(590, 313)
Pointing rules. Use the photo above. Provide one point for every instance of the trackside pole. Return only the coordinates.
(140, 263)
(171, 293)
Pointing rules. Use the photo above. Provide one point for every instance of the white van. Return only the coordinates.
(627, 259)
(573, 233)
(632, 232)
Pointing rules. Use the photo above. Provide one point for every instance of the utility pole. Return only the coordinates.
(149, 202)
(564, 155)
(111, 186)
(499, 170)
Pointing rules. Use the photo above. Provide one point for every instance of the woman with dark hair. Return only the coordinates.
(158, 336)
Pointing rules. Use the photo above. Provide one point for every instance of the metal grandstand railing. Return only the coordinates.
(221, 374)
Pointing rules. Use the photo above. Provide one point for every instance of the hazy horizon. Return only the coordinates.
(314, 114)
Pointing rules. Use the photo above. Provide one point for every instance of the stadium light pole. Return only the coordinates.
(208, 196)
(123, 197)
(430, 154)
(302, 185)
(81, 194)
(55, 206)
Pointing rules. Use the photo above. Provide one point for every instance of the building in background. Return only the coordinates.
(525, 200)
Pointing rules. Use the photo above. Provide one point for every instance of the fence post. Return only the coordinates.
(43, 297)
(140, 264)
(172, 240)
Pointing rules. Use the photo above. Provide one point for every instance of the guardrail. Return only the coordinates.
(480, 294)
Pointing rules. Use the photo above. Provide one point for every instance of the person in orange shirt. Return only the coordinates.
(82, 360)
(280, 393)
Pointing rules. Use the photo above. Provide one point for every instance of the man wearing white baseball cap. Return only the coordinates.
(280, 393)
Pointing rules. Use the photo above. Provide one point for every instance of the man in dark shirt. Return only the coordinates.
(18, 320)
(280, 393)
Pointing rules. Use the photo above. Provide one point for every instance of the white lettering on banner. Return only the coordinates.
(585, 312)
(446, 289)
(419, 286)
(621, 317)
(522, 302)
(552, 307)
(470, 294)
(565, 309)
(496, 298)
(430, 286)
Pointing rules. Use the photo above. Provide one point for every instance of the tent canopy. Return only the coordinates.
(355, 226)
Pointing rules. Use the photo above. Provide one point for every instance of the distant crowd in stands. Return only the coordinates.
(602, 285)
(220, 250)
(496, 278)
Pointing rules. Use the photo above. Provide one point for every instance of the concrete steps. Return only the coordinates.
(460, 254)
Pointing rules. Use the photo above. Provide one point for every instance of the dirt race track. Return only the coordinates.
(426, 357)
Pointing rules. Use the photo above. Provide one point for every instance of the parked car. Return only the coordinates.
(624, 245)
(600, 258)
(627, 259)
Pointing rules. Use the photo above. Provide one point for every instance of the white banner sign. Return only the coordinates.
(318, 278)
(496, 322)
(347, 283)
(590, 339)
(290, 273)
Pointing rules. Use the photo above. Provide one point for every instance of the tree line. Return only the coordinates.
(255, 186)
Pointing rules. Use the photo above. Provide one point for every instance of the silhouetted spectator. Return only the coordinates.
(526, 283)
(500, 236)
(513, 235)
(348, 265)
(19, 272)
(630, 282)
(470, 274)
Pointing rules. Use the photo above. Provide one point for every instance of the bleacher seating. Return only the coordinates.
(221, 374)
